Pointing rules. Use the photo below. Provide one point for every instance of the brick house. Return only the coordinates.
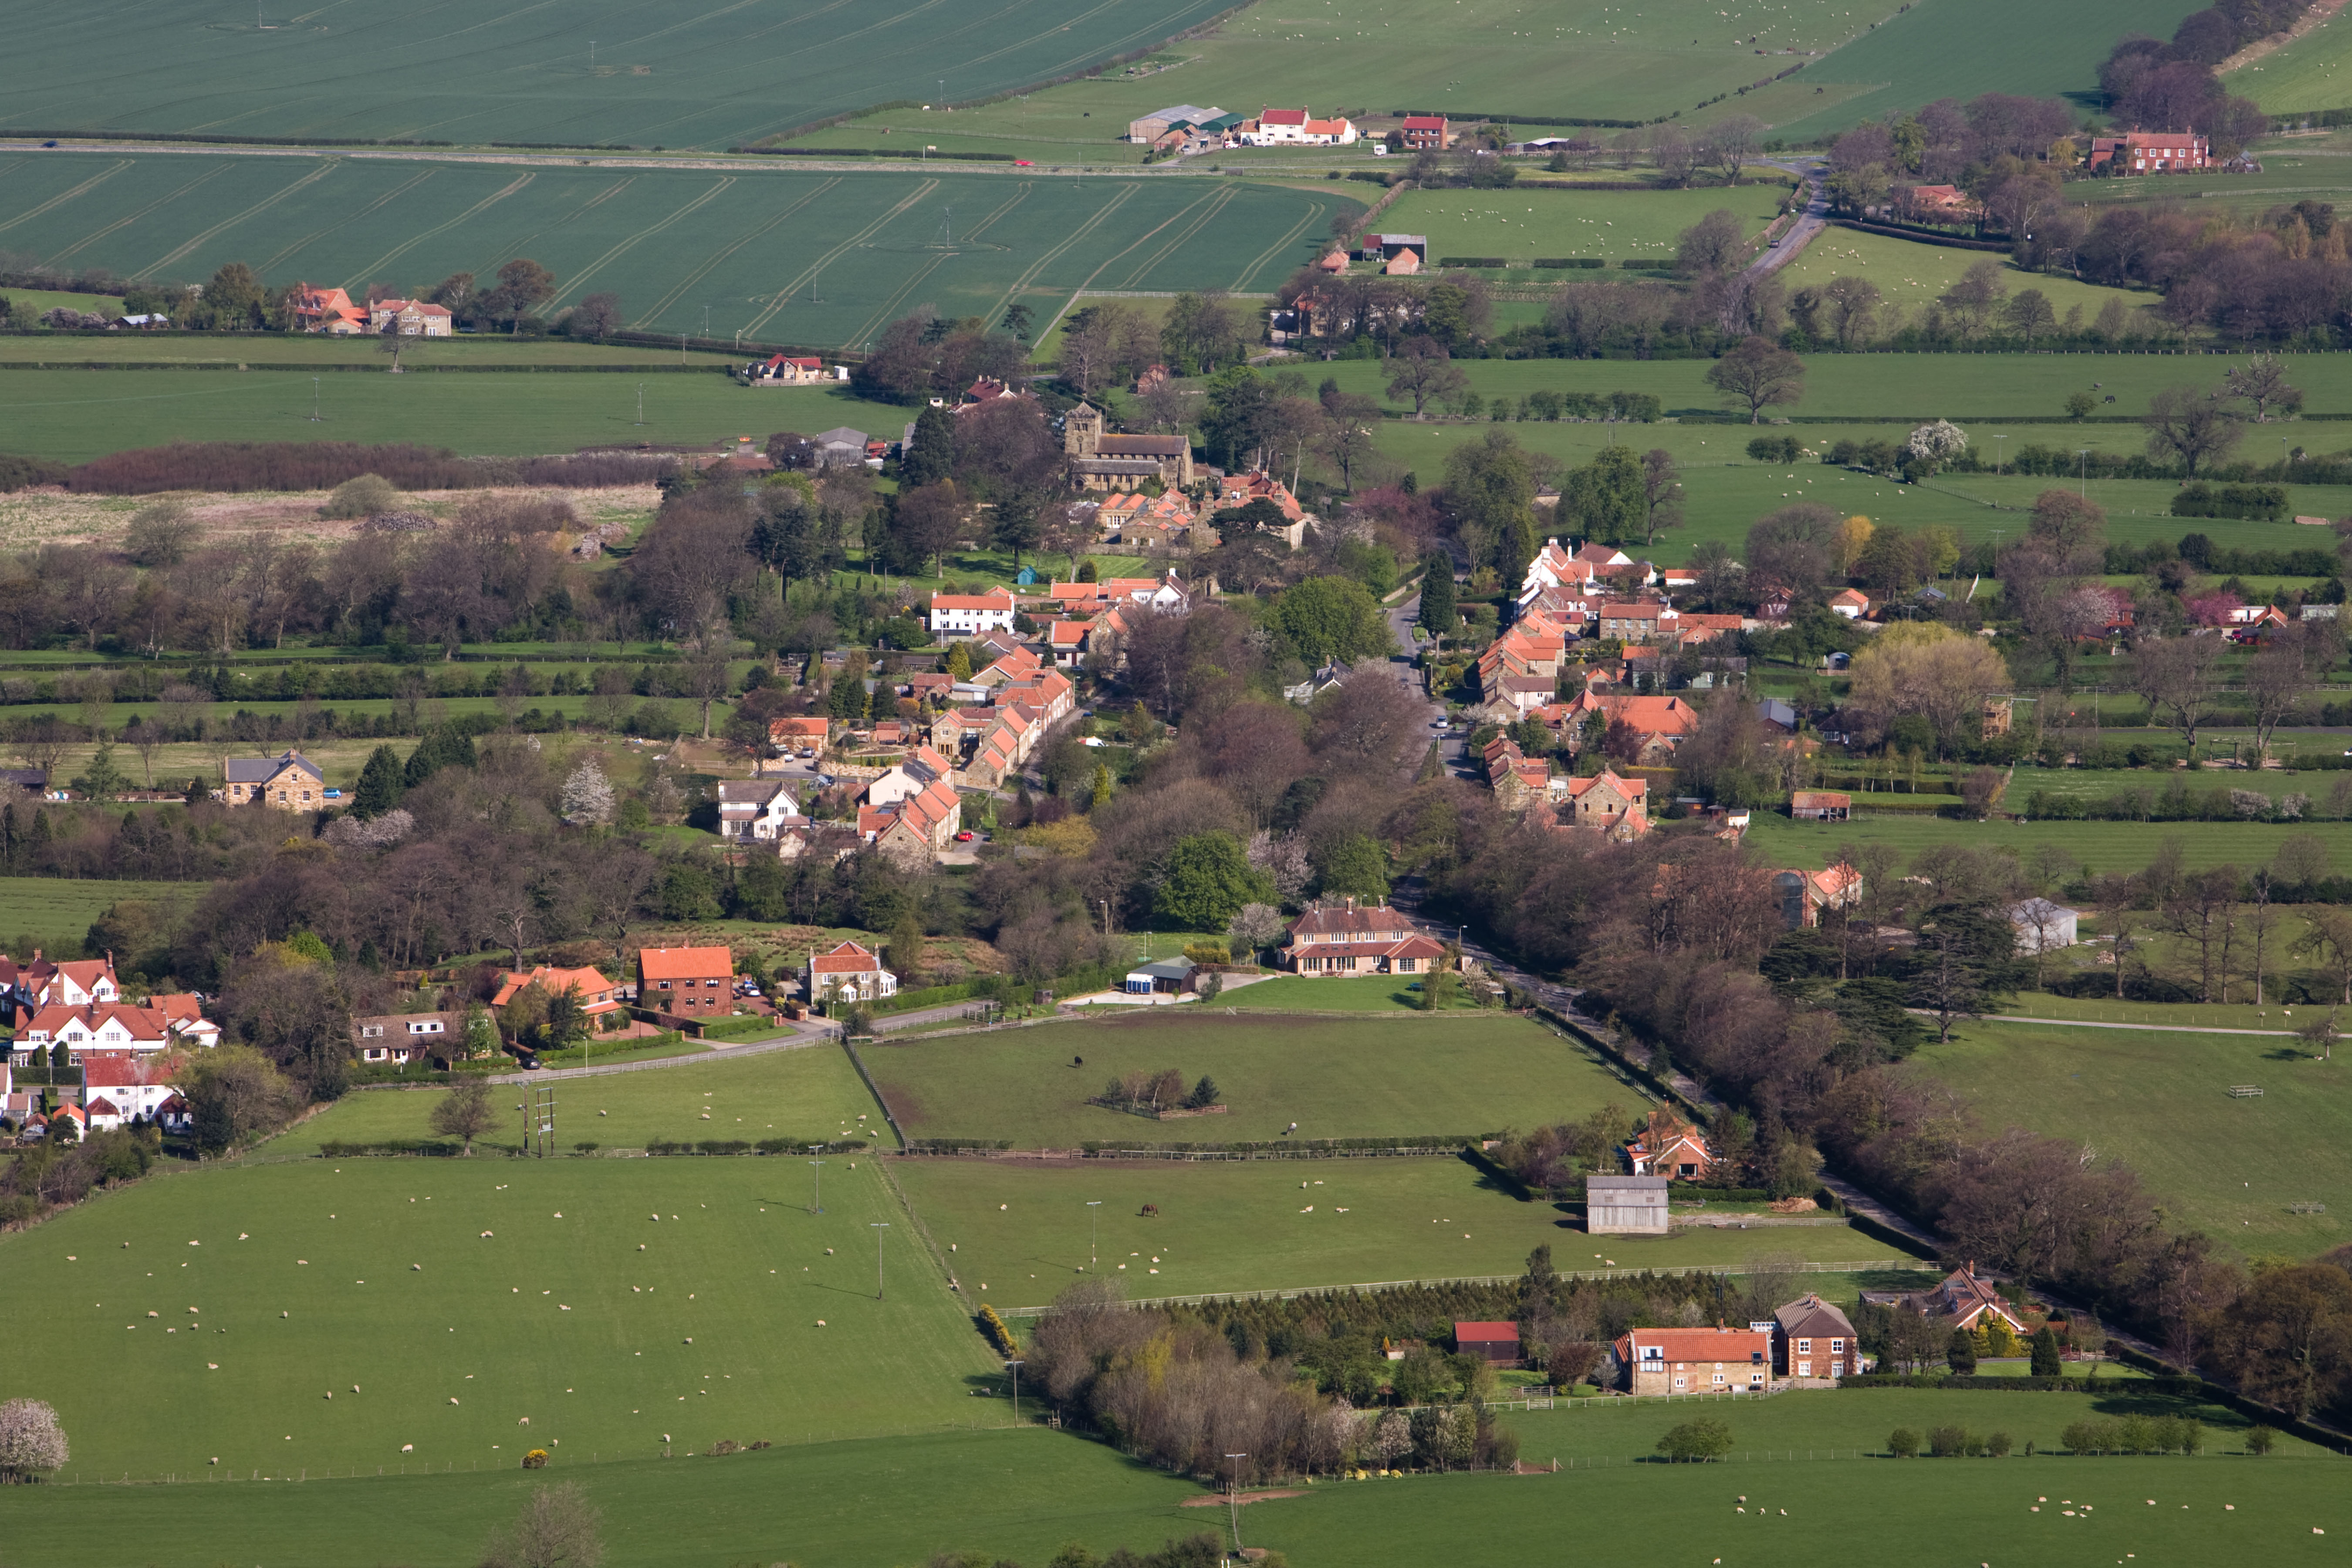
(1420, 131)
(328, 310)
(1813, 1339)
(288, 781)
(849, 972)
(93, 1030)
(1694, 1360)
(599, 997)
(1669, 1146)
(687, 981)
(1806, 896)
(1962, 1301)
(1350, 938)
(1610, 805)
(2151, 152)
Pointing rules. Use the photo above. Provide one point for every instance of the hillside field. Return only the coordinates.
(2098, 846)
(774, 254)
(55, 914)
(605, 72)
(2308, 74)
(2159, 1101)
(311, 1277)
(1469, 1074)
(1959, 48)
(1910, 273)
(1021, 1228)
(1519, 225)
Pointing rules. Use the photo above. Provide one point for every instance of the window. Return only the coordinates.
(1804, 1369)
(1679, 1383)
(1718, 1377)
(1804, 1347)
(665, 985)
(370, 1031)
(1837, 1347)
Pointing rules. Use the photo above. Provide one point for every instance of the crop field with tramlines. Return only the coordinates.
(589, 73)
(767, 254)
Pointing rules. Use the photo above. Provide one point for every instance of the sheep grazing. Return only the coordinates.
(407, 1448)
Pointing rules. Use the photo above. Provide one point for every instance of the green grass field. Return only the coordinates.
(1947, 48)
(1470, 1074)
(663, 74)
(1520, 224)
(2159, 1101)
(2099, 845)
(2309, 73)
(1465, 59)
(28, 304)
(1292, 992)
(1019, 1496)
(770, 253)
(813, 1093)
(56, 914)
(548, 1317)
(221, 349)
(1021, 1229)
(1910, 273)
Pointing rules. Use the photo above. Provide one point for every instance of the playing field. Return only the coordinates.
(2313, 73)
(1521, 225)
(1911, 273)
(1022, 1229)
(1958, 48)
(55, 914)
(602, 73)
(605, 1327)
(771, 254)
(811, 1095)
(1405, 1076)
(2159, 1102)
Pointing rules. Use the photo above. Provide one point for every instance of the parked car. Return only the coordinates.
(965, 837)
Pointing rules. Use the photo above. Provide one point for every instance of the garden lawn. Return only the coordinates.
(2098, 845)
(56, 914)
(809, 1095)
(1518, 225)
(1294, 993)
(1464, 1074)
(2159, 1101)
(1228, 1226)
(454, 1337)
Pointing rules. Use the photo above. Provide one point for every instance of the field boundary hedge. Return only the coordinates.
(2174, 1386)
(663, 1147)
(1923, 236)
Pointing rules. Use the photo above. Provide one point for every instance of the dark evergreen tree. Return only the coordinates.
(379, 787)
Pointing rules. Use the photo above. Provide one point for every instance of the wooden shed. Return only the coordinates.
(1495, 1343)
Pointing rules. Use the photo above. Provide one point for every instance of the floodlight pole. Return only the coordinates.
(877, 1226)
(1092, 1261)
(2000, 455)
(819, 1166)
(1233, 1497)
(2082, 473)
(314, 400)
(641, 403)
(1015, 1368)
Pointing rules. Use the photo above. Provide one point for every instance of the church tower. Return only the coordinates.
(1082, 431)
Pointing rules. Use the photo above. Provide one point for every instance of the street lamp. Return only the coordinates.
(877, 1226)
(818, 1207)
(1092, 1218)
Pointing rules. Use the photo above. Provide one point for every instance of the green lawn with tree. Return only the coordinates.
(1471, 1073)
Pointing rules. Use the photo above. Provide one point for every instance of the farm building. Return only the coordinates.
(1625, 1206)
(1148, 127)
(1820, 805)
(1497, 1344)
(1165, 977)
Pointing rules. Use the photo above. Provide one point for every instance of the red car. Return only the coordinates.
(965, 837)
(1023, 163)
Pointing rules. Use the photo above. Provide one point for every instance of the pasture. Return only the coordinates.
(1466, 1074)
(2309, 73)
(1519, 225)
(1021, 1228)
(2098, 847)
(1372, 58)
(1958, 48)
(2157, 1100)
(224, 350)
(667, 74)
(811, 1094)
(1018, 1496)
(55, 914)
(754, 250)
(311, 1278)
(1911, 273)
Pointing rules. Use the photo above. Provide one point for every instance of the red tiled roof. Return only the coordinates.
(685, 962)
(849, 958)
(1485, 1333)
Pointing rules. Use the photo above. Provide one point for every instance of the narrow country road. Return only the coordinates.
(1810, 223)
